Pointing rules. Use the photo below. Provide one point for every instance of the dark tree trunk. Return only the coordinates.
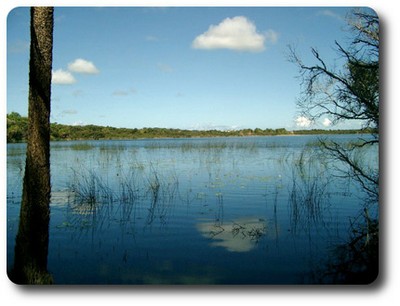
(30, 262)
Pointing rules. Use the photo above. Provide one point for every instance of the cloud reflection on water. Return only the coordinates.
(240, 235)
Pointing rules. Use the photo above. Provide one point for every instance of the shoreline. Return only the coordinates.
(346, 132)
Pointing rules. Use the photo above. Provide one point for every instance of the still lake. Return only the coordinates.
(238, 210)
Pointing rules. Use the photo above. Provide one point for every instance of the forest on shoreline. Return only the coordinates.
(17, 130)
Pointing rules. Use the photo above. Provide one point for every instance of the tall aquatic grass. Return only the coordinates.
(205, 146)
(96, 197)
(124, 179)
(128, 187)
(89, 188)
(308, 196)
(81, 146)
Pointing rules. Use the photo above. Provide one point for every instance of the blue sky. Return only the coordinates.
(176, 67)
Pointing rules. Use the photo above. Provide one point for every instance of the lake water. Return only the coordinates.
(248, 210)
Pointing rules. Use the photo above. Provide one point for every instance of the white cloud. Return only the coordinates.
(303, 121)
(83, 66)
(326, 122)
(62, 77)
(237, 33)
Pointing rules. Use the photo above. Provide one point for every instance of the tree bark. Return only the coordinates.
(30, 261)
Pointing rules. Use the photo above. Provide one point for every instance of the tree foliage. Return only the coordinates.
(17, 127)
(347, 93)
(17, 131)
(352, 91)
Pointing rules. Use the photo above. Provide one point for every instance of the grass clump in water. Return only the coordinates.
(81, 146)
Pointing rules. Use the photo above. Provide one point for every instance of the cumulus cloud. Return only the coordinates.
(237, 33)
(326, 122)
(62, 77)
(303, 121)
(83, 66)
(65, 77)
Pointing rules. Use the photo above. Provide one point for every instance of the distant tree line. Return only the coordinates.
(17, 131)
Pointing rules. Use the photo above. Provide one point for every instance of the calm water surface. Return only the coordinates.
(250, 210)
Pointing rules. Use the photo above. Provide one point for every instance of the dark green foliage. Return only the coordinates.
(17, 131)
(17, 127)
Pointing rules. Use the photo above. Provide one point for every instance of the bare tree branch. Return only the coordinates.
(346, 94)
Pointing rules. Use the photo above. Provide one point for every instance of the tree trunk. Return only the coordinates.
(30, 261)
